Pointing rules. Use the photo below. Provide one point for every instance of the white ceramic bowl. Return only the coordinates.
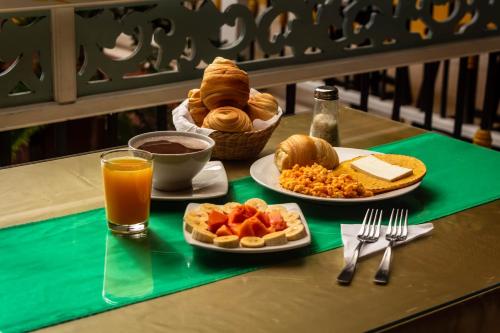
(172, 172)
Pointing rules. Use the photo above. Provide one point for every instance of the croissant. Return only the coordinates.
(305, 150)
(196, 107)
(228, 119)
(224, 84)
(262, 106)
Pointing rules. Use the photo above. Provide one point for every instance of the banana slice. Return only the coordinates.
(228, 207)
(195, 218)
(190, 225)
(196, 215)
(277, 208)
(208, 207)
(295, 232)
(203, 235)
(257, 203)
(293, 222)
(275, 238)
(290, 216)
(251, 241)
(227, 241)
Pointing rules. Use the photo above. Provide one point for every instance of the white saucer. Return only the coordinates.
(211, 182)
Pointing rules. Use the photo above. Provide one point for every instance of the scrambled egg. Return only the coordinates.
(318, 181)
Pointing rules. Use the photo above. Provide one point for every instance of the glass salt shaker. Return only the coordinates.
(326, 115)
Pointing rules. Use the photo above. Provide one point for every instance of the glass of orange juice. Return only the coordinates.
(127, 175)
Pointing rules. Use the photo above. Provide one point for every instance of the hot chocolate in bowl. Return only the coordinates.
(178, 156)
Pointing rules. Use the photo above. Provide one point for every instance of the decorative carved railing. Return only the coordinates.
(25, 59)
(322, 38)
(321, 30)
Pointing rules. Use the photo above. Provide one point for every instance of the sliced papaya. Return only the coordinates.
(237, 215)
(235, 228)
(217, 217)
(259, 229)
(264, 218)
(246, 229)
(253, 227)
(224, 231)
(276, 220)
(241, 213)
(216, 220)
(243, 221)
(249, 211)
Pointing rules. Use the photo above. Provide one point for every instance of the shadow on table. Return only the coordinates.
(416, 201)
(212, 260)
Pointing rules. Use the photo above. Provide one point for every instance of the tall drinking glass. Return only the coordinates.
(127, 175)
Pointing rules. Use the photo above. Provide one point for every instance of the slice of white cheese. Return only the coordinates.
(377, 168)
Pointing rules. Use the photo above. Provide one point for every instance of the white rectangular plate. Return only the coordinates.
(288, 246)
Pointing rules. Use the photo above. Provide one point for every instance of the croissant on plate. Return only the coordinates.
(197, 109)
(228, 119)
(262, 106)
(224, 84)
(305, 150)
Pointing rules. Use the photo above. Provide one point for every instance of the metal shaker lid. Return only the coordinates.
(327, 93)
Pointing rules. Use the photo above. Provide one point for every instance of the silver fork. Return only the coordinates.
(368, 233)
(396, 231)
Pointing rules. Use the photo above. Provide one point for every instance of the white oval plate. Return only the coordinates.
(266, 249)
(265, 172)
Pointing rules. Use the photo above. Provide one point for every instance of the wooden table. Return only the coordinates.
(448, 280)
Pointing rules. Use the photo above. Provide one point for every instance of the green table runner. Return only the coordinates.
(70, 267)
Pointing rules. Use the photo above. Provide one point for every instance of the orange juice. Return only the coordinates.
(127, 187)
